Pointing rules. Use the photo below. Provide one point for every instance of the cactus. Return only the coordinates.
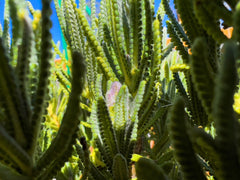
(180, 124)
(24, 114)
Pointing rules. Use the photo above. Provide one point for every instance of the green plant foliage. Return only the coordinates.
(23, 115)
(178, 28)
(177, 42)
(184, 152)
(6, 34)
(147, 168)
(212, 82)
(202, 76)
(193, 30)
(120, 168)
(156, 102)
(106, 129)
(226, 124)
(204, 145)
(208, 22)
(124, 49)
(236, 23)
(188, 17)
(220, 150)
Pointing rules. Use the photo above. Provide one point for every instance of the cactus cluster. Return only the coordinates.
(142, 101)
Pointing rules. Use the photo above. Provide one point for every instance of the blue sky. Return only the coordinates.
(56, 33)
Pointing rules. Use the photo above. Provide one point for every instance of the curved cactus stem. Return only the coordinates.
(223, 113)
(69, 126)
(42, 88)
(182, 145)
